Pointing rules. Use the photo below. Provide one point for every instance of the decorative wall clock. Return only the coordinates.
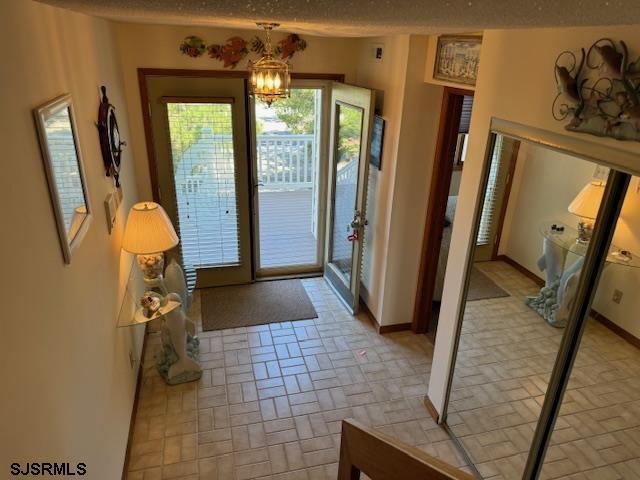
(110, 141)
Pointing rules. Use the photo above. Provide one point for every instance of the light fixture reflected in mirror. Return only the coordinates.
(585, 206)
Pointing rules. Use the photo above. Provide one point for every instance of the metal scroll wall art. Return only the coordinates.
(599, 91)
(236, 48)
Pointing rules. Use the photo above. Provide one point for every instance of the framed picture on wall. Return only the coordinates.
(458, 58)
(377, 138)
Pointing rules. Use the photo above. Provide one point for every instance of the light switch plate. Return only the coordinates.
(377, 51)
(111, 209)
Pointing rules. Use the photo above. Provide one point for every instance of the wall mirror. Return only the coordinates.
(547, 348)
(55, 122)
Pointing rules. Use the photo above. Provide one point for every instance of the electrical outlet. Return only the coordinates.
(617, 296)
(132, 359)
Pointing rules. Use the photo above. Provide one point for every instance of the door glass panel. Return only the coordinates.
(348, 143)
(517, 306)
(287, 146)
(204, 175)
(597, 433)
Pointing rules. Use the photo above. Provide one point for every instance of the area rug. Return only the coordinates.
(255, 304)
(482, 287)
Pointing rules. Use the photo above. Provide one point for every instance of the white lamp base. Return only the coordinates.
(152, 267)
(585, 231)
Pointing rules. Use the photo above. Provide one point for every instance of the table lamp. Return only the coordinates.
(586, 206)
(148, 234)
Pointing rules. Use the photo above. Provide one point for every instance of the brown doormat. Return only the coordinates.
(482, 287)
(255, 304)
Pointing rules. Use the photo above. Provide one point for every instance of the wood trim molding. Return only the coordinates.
(143, 73)
(379, 456)
(396, 327)
(618, 330)
(436, 208)
(505, 198)
(431, 409)
(134, 410)
(197, 100)
(194, 73)
(382, 329)
(523, 270)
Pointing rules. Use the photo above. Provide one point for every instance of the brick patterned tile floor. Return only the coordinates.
(271, 399)
(504, 363)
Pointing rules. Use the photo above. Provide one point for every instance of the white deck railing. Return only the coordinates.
(286, 161)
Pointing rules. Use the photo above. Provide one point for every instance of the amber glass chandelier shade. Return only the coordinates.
(270, 78)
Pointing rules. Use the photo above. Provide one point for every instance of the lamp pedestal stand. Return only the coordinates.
(585, 231)
(177, 362)
(152, 267)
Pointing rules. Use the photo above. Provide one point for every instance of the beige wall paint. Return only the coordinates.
(387, 77)
(67, 387)
(416, 149)
(545, 182)
(515, 83)
(398, 193)
(156, 46)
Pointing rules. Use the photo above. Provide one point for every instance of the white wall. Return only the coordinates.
(416, 150)
(387, 77)
(516, 83)
(67, 387)
(398, 193)
(545, 182)
(156, 46)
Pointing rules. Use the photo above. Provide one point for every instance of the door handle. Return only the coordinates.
(358, 222)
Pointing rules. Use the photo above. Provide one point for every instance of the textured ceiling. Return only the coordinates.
(366, 17)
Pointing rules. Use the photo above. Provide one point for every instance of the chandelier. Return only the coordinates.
(270, 78)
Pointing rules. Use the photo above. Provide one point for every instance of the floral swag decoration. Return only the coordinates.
(236, 48)
(599, 91)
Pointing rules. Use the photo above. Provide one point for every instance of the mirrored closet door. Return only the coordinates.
(547, 375)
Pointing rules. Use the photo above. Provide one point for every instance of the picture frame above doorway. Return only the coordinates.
(458, 58)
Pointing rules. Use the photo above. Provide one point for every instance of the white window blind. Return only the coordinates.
(465, 114)
(204, 176)
(499, 156)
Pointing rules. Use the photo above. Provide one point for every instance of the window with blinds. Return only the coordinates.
(204, 176)
(495, 186)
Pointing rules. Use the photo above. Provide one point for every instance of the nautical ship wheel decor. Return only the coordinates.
(110, 142)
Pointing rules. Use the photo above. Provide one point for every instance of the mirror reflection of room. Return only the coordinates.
(64, 163)
(533, 234)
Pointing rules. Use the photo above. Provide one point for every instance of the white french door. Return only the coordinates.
(200, 142)
(289, 180)
(352, 110)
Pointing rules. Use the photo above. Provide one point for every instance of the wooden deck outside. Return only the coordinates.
(286, 236)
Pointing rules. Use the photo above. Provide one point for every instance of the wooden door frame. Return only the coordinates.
(438, 194)
(144, 73)
(505, 199)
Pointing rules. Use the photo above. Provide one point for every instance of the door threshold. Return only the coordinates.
(289, 276)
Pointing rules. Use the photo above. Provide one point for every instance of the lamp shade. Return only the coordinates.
(148, 230)
(587, 202)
